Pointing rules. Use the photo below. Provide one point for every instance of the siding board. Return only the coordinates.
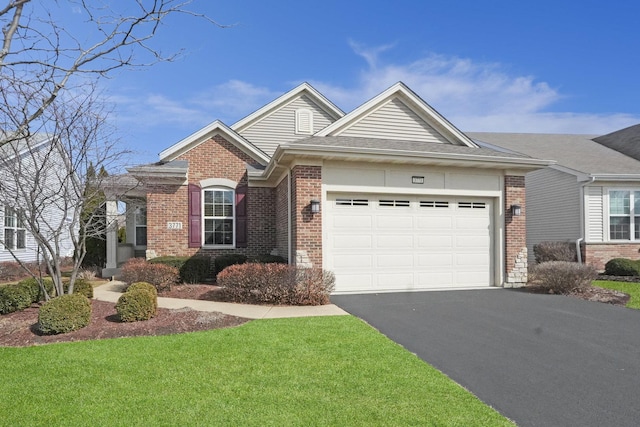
(595, 214)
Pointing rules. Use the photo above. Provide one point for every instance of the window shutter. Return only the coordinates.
(195, 216)
(241, 216)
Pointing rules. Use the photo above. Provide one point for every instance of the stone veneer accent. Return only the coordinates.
(515, 232)
(306, 184)
(214, 158)
(597, 254)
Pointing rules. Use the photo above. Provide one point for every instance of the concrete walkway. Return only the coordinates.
(111, 292)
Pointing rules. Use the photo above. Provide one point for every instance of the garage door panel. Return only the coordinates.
(390, 261)
(352, 221)
(352, 241)
(431, 243)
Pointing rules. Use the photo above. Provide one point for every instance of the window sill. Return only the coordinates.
(218, 247)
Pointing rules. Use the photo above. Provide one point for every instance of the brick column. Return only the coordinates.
(515, 232)
(306, 184)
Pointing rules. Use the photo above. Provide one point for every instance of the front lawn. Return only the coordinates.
(283, 372)
(631, 288)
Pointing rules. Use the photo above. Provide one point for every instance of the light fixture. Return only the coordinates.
(315, 206)
(516, 210)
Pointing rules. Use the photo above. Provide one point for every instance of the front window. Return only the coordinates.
(624, 215)
(141, 226)
(218, 217)
(14, 233)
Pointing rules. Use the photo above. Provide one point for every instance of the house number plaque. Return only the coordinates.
(174, 225)
(417, 179)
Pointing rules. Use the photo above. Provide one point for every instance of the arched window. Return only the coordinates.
(218, 216)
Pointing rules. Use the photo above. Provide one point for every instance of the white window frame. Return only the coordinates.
(220, 217)
(632, 215)
(16, 227)
(136, 214)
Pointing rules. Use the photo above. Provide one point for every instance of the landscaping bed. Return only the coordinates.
(19, 329)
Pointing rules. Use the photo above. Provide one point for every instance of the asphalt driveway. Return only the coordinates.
(541, 360)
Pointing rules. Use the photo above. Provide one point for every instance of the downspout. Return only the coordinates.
(582, 215)
(289, 226)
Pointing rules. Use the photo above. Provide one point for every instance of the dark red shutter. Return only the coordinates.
(195, 216)
(241, 216)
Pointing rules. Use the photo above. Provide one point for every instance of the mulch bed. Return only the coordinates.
(593, 293)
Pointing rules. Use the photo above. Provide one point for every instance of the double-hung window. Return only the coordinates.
(624, 215)
(219, 217)
(141, 226)
(14, 232)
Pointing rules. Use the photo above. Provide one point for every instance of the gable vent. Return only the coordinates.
(304, 121)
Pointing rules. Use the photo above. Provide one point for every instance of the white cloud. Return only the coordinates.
(474, 96)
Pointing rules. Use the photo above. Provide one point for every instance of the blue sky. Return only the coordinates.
(511, 66)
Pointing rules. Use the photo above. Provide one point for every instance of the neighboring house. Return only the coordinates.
(390, 197)
(18, 162)
(590, 197)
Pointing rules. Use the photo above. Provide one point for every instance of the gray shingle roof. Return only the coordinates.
(577, 152)
(626, 141)
(400, 146)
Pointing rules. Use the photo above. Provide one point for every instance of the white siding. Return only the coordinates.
(552, 208)
(280, 126)
(595, 214)
(394, 120)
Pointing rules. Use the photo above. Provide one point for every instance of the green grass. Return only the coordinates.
(285, 372)
(630, 288)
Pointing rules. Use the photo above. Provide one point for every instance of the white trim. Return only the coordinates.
(218, 182)
(204, 134)
(417, 105)
(607, 215)
(282, 100)
(233, 218)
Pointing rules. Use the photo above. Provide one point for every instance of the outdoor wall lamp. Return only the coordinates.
(516, 210)
(315, 206)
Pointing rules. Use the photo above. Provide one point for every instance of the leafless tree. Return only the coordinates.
(48, 76)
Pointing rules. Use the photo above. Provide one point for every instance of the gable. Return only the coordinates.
(399, 114)
(279, 126)
(394, 120)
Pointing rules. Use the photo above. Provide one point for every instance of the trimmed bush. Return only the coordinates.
(269, 259)
(137, 304)
(622, 267)
(14, 297)
(276, 284)
(159, 275)
(223, 261)
(555, 251)
(191, 269)
(143, 285)
(562, 277)
(64, 314)
(34, 288)
(80, 286)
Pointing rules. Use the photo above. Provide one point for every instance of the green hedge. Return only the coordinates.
(223, 261)
(194, 269)
(63, 314)
(622, 267)
(14, 297)
(34, 288)
(137, 304)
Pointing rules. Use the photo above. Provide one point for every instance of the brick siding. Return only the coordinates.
(597, 254)
(306, 227)
(515, 232)
(214, 158)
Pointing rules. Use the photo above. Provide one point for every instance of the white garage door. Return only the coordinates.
(378, 243)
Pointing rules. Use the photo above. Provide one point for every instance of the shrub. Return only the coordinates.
(191, 269)
(269, 259)
(14, 298)
(276, 284)
(143, 285)
(555, 251)
(137, 304)
(34, 288)
(562, 277)
(88, 274)
(622, 267)
(223, 261)
(63, 314)
(12, 271)
(80, 287)
(159, 275)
